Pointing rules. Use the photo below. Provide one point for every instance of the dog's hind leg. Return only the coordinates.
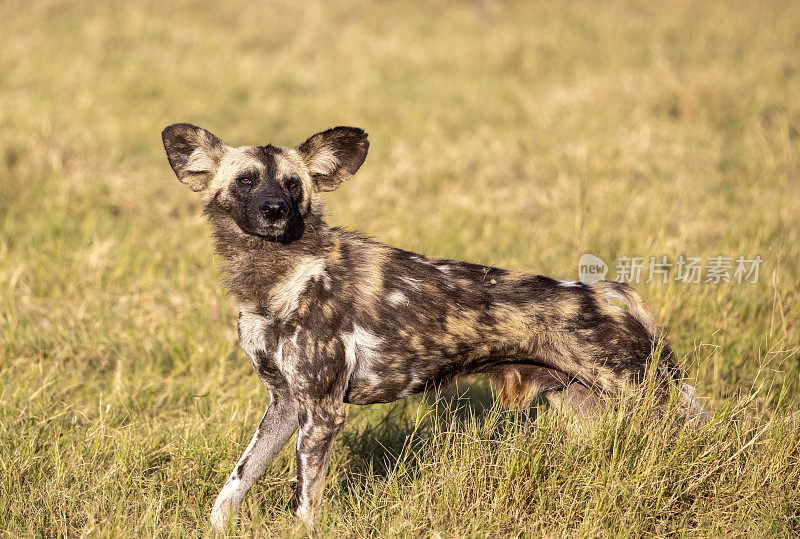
(521, 383)
(274, 430)
(576, 400)
(580, 406)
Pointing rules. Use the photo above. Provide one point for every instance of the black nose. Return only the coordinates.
(274, 208)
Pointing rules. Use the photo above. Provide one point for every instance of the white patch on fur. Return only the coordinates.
(286, 297)
(368, 344)
(305, 428)
(411, 282)
(294, 337)
(427, 261)
(570, 284)
(362, 348)
(279, 355)
(365, 374)
(350, 354)
(252, 334)
(396, 298)
(444, 268)
(410, 388)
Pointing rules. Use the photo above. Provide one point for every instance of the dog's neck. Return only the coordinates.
(256, 265)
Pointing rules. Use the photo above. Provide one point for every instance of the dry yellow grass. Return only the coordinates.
(517, 134)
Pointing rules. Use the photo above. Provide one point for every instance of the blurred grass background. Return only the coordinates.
(520, 134)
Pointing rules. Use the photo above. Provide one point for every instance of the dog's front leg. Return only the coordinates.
(320, 422)
(274, 430)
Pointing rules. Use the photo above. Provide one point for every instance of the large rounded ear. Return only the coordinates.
(194, 154)
(334, 155)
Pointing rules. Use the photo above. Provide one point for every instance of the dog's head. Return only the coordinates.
(266, 190)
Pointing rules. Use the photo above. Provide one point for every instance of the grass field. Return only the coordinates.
(520, 134)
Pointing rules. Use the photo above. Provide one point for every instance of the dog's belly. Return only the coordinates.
(393, 377)
(387, 368)
(367, 387)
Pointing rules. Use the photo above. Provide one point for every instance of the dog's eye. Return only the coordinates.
(245, 180)
(293, 183)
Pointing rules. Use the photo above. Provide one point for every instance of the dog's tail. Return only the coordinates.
(634, 301)
(641, 312)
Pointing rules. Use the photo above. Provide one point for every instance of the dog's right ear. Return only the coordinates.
(194, 154)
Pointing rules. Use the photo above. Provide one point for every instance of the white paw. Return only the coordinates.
(219, 520)
(221, 515)
(227, 504)
(305, 516)
(692, 402)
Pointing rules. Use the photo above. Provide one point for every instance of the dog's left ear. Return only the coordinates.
(334, 155)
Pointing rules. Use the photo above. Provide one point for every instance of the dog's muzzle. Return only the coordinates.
(274, 209)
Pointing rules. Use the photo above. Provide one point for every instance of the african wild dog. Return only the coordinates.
(328, 317)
